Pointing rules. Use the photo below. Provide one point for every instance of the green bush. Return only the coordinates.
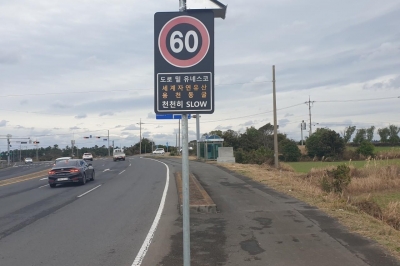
(290, 151)
(366, 148)
(337, 179)
(259, 156)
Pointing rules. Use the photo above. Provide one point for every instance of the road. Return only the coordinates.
(104, 222)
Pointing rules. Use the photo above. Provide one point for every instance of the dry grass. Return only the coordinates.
(307, 187)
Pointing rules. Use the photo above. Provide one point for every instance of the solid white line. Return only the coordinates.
(106, 170)
(143, 250)
(43, 179)
(88, 191)
(122, 172)
(130, 164)
(43, 186)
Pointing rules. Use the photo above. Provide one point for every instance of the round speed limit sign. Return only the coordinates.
(184, 41)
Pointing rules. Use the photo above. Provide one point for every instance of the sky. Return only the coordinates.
(70, 69)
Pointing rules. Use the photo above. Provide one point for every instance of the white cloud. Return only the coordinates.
(80, 116)
(3, 123)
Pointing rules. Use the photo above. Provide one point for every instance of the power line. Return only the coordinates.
(359, 100)
(119, 90)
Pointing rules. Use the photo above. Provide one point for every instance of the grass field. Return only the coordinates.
(379, 149)
(305, 167)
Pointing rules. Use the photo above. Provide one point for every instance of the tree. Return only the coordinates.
(360, 136)
(251, 139)
(370, 133)
(325, 142)
(394, 134)
(384, 134)
(267, 136)
(231, 139)
(289, 150)
(348, 132)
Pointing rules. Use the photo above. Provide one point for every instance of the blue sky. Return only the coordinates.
(74, 68)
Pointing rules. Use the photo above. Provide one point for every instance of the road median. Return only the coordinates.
(200, 201)
(23, 178)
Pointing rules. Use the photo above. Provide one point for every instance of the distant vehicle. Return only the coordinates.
(87, 156)
(159, 151)
(28, 160)
(190, 149)
(61, 159)
(118, 155)
(70, 171)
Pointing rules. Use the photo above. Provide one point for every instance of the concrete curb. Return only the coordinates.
(200, 201)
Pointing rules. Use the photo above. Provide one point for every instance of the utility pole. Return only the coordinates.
(276, 151)
(108, 140)
(309, 112)
(303, 127)
(37, 152)
(179, 135)
(197, 134)
(8, 148)
(140, 142)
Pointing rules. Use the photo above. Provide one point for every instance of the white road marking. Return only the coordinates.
(43, 179)
(143, 250)
(88, 191)
(105, 170)
(130, 164)
(43, 186)
(122, 172)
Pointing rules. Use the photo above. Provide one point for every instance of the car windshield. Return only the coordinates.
(67, 163)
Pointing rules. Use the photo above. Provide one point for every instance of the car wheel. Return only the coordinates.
(52, 185)
(92, 179)
(83, 180)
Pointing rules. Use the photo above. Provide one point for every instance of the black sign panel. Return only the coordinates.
(184, 62)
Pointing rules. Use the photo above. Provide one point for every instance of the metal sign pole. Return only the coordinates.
(185, 179)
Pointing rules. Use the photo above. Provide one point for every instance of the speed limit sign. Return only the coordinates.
(184, 62)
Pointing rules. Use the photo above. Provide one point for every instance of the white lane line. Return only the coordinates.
(43, 186)
(122, 172)
(105, 170)
(143, 250)
(43, 179)
(130, 164)
(88, 191)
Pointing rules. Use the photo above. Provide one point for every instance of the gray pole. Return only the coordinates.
(198, 135)
(179, 136)
(185, 189)
(301, 126)
(37, 153)
(140, 141)
(8, 149)
(185, 178)
(108, 138)
(275, 121)
(309, 112)
(19, 152)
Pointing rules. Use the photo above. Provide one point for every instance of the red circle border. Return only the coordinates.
(162, 43)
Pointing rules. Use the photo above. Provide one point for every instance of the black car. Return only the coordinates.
(70, 171)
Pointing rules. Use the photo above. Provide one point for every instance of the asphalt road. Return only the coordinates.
(20, 169)
(104, 222)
